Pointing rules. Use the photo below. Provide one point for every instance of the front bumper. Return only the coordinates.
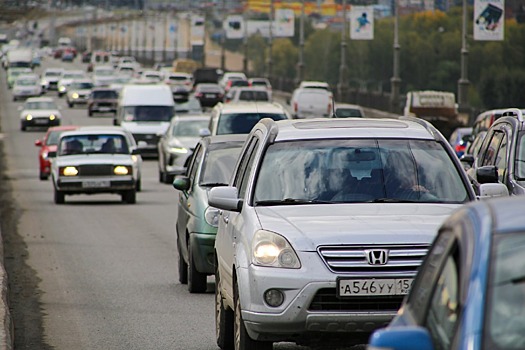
(87, 185)
(40, 122)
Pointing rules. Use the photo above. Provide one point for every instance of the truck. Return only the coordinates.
(436, 107)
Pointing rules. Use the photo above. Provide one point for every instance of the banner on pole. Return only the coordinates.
(362, 23)
(489, 19)
(234, 27)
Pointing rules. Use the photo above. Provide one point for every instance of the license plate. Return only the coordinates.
(95, 184)
(104, 109)
(373, 287)
(41, 121)
(210, 96)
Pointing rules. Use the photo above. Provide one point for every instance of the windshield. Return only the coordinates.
(103, 72)
(53, 74)
(148, 113)
(189, 128)
(191, 105)
(254, 96)
(52, 138)
(218, 165)
(85, 144)
(81, 86)
(26, 82)
(40, 105)
(348, 171)
(105, 94)
(505, 322)
(348, 113)
(242, 123)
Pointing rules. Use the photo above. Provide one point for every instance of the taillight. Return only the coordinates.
(329, 107)
(460, 148)
(295, 107)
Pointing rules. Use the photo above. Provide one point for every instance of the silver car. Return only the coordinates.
(324, 225)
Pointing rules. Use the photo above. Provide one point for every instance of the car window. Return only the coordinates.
(189, 128)
(490, 154)
(505, 316)
(244, 161)
(242, 123)
(254, 96)
(219, 164)
(247, 170)
(108, 94)
(348, 113)
(501, 157)
(443, 313)
(349, 171)
(93, 143)
(195, 162)
(520, 157)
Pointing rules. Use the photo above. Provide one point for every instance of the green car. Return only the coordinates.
(14, 72)
(210, 165)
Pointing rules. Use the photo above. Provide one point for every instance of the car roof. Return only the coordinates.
(322, 128)
(224, 138)
(98, 129)
(62, 127)
(192, 117)
(252, 107)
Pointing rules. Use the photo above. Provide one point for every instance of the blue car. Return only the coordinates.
(470, 291)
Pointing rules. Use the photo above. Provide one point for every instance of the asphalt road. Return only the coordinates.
(94, 273)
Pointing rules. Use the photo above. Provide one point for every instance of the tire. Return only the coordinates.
(223, 318)
(60, 197)
(197, 281)
(43, 176)
(162, 176)
(70, 105)
(183, 267)
(138, 185)
(23, 127)
(168, 179)
(129, 197)
(90, 113)
(242, 340)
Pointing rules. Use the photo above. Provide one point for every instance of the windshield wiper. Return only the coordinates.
(291, 201)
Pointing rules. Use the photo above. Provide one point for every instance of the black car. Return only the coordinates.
(86, 56)
(209, 94)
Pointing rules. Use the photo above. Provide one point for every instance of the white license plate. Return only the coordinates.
(210, 96)
(104, 109)
(95, 184)
(41, 121)
(373, 287)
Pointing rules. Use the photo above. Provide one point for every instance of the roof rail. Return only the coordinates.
(513, 112)
(427, 125)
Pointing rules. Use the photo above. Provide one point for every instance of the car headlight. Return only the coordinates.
(61, 88)
(122, 170)
(211, 215)
(74, 95)
(180, 150)
(273, 250)
(52, 117)
(69, 171)
(29, 117)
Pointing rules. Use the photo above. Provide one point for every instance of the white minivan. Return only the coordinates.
(145, 110)
(311, 103)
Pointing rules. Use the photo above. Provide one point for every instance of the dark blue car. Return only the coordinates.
(470, 291)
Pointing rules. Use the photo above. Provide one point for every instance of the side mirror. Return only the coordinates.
(487, 174)
(467, 160)
(204, 132)
(182, 183)
(142, 144)
(39, 143)
(225, 198)
(489, 190)
(402, 338)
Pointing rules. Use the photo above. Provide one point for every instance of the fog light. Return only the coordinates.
(274, 297)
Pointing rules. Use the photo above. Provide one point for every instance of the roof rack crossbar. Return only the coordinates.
(513, 112)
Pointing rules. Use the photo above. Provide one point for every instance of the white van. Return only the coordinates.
(145, 110)
(311, 103)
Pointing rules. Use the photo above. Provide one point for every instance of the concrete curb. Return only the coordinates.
(6, 331)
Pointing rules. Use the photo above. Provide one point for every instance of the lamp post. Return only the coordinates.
(300, 64)
(342, 86)
(463, 82)
(269, 61)
(395, 81)
(245, 41)
(223, 37)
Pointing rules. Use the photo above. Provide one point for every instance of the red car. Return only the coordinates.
(49, 144)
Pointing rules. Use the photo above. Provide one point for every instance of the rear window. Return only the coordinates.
(108, 94)
(238, 82)
(242, 123)
(254, 96)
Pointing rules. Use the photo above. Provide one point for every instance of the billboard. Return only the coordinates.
(234, 27)
(197, 28)
(362, 23)
(489, 19)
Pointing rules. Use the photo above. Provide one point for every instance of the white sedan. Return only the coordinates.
(39, 112)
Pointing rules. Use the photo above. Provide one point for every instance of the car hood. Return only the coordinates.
(94, 158)
(40, 112)
(309, 226)
(146, 127)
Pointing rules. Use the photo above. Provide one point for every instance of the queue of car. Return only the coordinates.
(314, 229)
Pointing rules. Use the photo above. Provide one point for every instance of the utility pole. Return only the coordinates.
(223, 37)
(343, 86)
(270, 44)
(463, 82)
(245, 41)
(395, 81)
(300, 64)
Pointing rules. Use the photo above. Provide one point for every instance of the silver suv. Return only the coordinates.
(324, 225)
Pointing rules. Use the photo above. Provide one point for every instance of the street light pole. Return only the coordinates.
(395, 81)
(245, 41)
(223, 37)
(342, 86)
(270, 44)
(463, 82)
(300, 64)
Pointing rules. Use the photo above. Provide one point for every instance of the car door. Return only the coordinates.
(186, 206)
(230, 221)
